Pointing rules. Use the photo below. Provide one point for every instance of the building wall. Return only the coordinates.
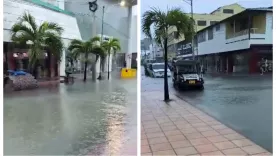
(226, 44)
(115, 20)
(236, 7)
(217, 15)
(134, 34)
(266, 38)
(14, 9)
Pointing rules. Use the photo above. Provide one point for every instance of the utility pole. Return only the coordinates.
(192, 15)
(102, 25)
(93, 7)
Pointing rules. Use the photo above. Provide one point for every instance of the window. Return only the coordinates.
(201, 37)
(201, 23)
(218, 27)
(210, 34)
(213, 22)
(228, 11)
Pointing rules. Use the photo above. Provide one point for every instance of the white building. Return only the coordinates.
(238, 43)
(42, 12)
(76, 19)
(118, 21)
(156, 52)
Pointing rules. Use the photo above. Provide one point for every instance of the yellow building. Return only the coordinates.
(203, 21)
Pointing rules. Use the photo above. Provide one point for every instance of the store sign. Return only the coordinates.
(184, 48)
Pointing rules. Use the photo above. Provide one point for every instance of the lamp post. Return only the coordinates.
(122, 4)
(93, 7)
(190, 2)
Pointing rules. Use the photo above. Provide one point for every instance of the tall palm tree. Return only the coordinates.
(112, 45)
(46, 36)
(161, 22)
(78, 48)
(103, 57)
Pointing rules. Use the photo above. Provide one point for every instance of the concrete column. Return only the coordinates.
(62, 64)
(106, 63)
(98, 67)
(128, 54)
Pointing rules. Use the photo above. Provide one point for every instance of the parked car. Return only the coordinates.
(157, 70)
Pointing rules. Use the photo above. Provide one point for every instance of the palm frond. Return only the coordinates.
(50, 27)
(95, 39)
(182, 22)
(75, 44)
(112, 44)
(55, 44)
(98, 50)
(154, 17)
(30, 20)
(22, 30)
(21, 38)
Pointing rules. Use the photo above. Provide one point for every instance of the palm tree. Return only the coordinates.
(161, 22)
(46, 36)
(111, 45)
(103, 57)
(78, 48)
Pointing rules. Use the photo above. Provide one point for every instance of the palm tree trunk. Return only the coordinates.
(108, 59)
(101, 68)
(94, 73)
(166, 88)
(85, 67)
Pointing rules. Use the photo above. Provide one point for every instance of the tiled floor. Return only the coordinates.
(177, 128)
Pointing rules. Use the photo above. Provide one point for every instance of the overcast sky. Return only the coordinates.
(200, 6)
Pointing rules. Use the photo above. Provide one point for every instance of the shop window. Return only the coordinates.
(228, 11)
(201, 23)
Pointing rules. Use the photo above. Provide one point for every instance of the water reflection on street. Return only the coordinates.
(85, 118)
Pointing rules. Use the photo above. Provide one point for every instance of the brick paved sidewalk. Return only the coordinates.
(178, 128)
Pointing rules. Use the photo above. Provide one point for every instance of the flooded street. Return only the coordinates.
(244, 103)
(85, 118)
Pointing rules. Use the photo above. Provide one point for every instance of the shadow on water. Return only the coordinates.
(70, 120)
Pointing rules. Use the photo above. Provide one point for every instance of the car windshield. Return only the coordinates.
(158, 66)
(187, 69)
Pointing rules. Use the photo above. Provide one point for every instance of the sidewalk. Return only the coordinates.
(177, 128)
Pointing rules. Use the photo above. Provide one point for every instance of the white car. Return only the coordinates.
(157, 70)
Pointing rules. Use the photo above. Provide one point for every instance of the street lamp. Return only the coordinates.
(190, 2)
(123, 3)
(93, 7)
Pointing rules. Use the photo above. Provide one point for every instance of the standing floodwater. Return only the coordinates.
(85, 118)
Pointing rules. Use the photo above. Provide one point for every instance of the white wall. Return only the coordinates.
(14, 9)
(134, 32)
(218, 43)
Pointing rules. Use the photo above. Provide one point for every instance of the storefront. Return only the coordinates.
(16, 58)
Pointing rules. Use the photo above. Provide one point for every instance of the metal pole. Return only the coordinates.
(102, 39)
(108, 66)
(192, 15)
(102, 25)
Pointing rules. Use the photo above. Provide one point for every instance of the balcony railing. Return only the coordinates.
(245, 32)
